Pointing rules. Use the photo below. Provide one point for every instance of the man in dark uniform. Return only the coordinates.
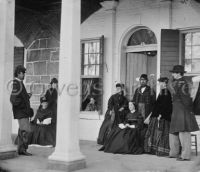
(21, 109)
(144, 97)
(183, 120)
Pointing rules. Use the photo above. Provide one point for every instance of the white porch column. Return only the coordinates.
(110, 60)
(7, 149)
(67, 155)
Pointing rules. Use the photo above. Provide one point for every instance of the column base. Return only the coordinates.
(7, 152)
(66, 166)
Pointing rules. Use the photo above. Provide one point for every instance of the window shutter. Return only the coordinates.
(169, 50)
(18, 56)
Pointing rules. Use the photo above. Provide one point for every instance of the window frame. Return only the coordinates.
(182, 48)
(101, 67)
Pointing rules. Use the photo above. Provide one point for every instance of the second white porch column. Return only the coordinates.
(67, 155)
(7, 149)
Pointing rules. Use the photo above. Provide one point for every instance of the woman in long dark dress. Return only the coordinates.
(127, 137)
(117, 105)
(43, 126)
(52, 96)
(157, 135)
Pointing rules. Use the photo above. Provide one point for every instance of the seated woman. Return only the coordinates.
(91, 106)
(127, 137)
(157, 135)
(117, 106)
(43, 125)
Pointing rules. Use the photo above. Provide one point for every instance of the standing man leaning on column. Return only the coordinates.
(21, 109)
(183, 120)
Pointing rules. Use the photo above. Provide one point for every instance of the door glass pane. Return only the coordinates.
(85, 70)
(196, 52)
(195, 66)
(91, 47)
(91, 70)
(91, 58)
(97, 47)
(86, 48)
(188, 52)
(86, 59)
(188, 39)
(188, 65)
(196, 38)
(97, 70)
(97, 57)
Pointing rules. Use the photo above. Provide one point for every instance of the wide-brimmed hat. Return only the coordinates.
(178, 69)
(144, 76)
(163, 79)
(54, 80)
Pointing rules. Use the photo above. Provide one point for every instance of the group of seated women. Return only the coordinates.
(136, 135)
(43, 125)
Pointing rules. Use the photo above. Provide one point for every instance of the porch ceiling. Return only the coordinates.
(41, 18)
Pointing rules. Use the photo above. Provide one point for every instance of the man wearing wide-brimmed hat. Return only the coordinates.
(183, 120)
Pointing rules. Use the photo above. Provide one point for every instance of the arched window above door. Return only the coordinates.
(142, 37)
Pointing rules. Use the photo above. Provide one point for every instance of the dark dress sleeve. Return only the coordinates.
(157, 106)
(166, 109)
(37, 116)
(111, 103)
(163, 106)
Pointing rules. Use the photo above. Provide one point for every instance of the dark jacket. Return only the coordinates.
(183, 119)
(20, 101)
(182, 94)
(148, 97)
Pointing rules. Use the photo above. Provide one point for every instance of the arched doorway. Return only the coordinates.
(139, 56)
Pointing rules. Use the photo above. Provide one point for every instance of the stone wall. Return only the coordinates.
(42, 63)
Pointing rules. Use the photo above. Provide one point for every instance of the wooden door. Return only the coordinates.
(136, 64)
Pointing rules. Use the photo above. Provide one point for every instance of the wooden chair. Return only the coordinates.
(194, 142)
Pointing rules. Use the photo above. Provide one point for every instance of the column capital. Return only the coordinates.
(109, 5)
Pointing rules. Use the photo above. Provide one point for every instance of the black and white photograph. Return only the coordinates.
(100, 85)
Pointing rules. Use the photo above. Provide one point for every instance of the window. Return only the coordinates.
(192, 52)
(142, 37)
(92, 74)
